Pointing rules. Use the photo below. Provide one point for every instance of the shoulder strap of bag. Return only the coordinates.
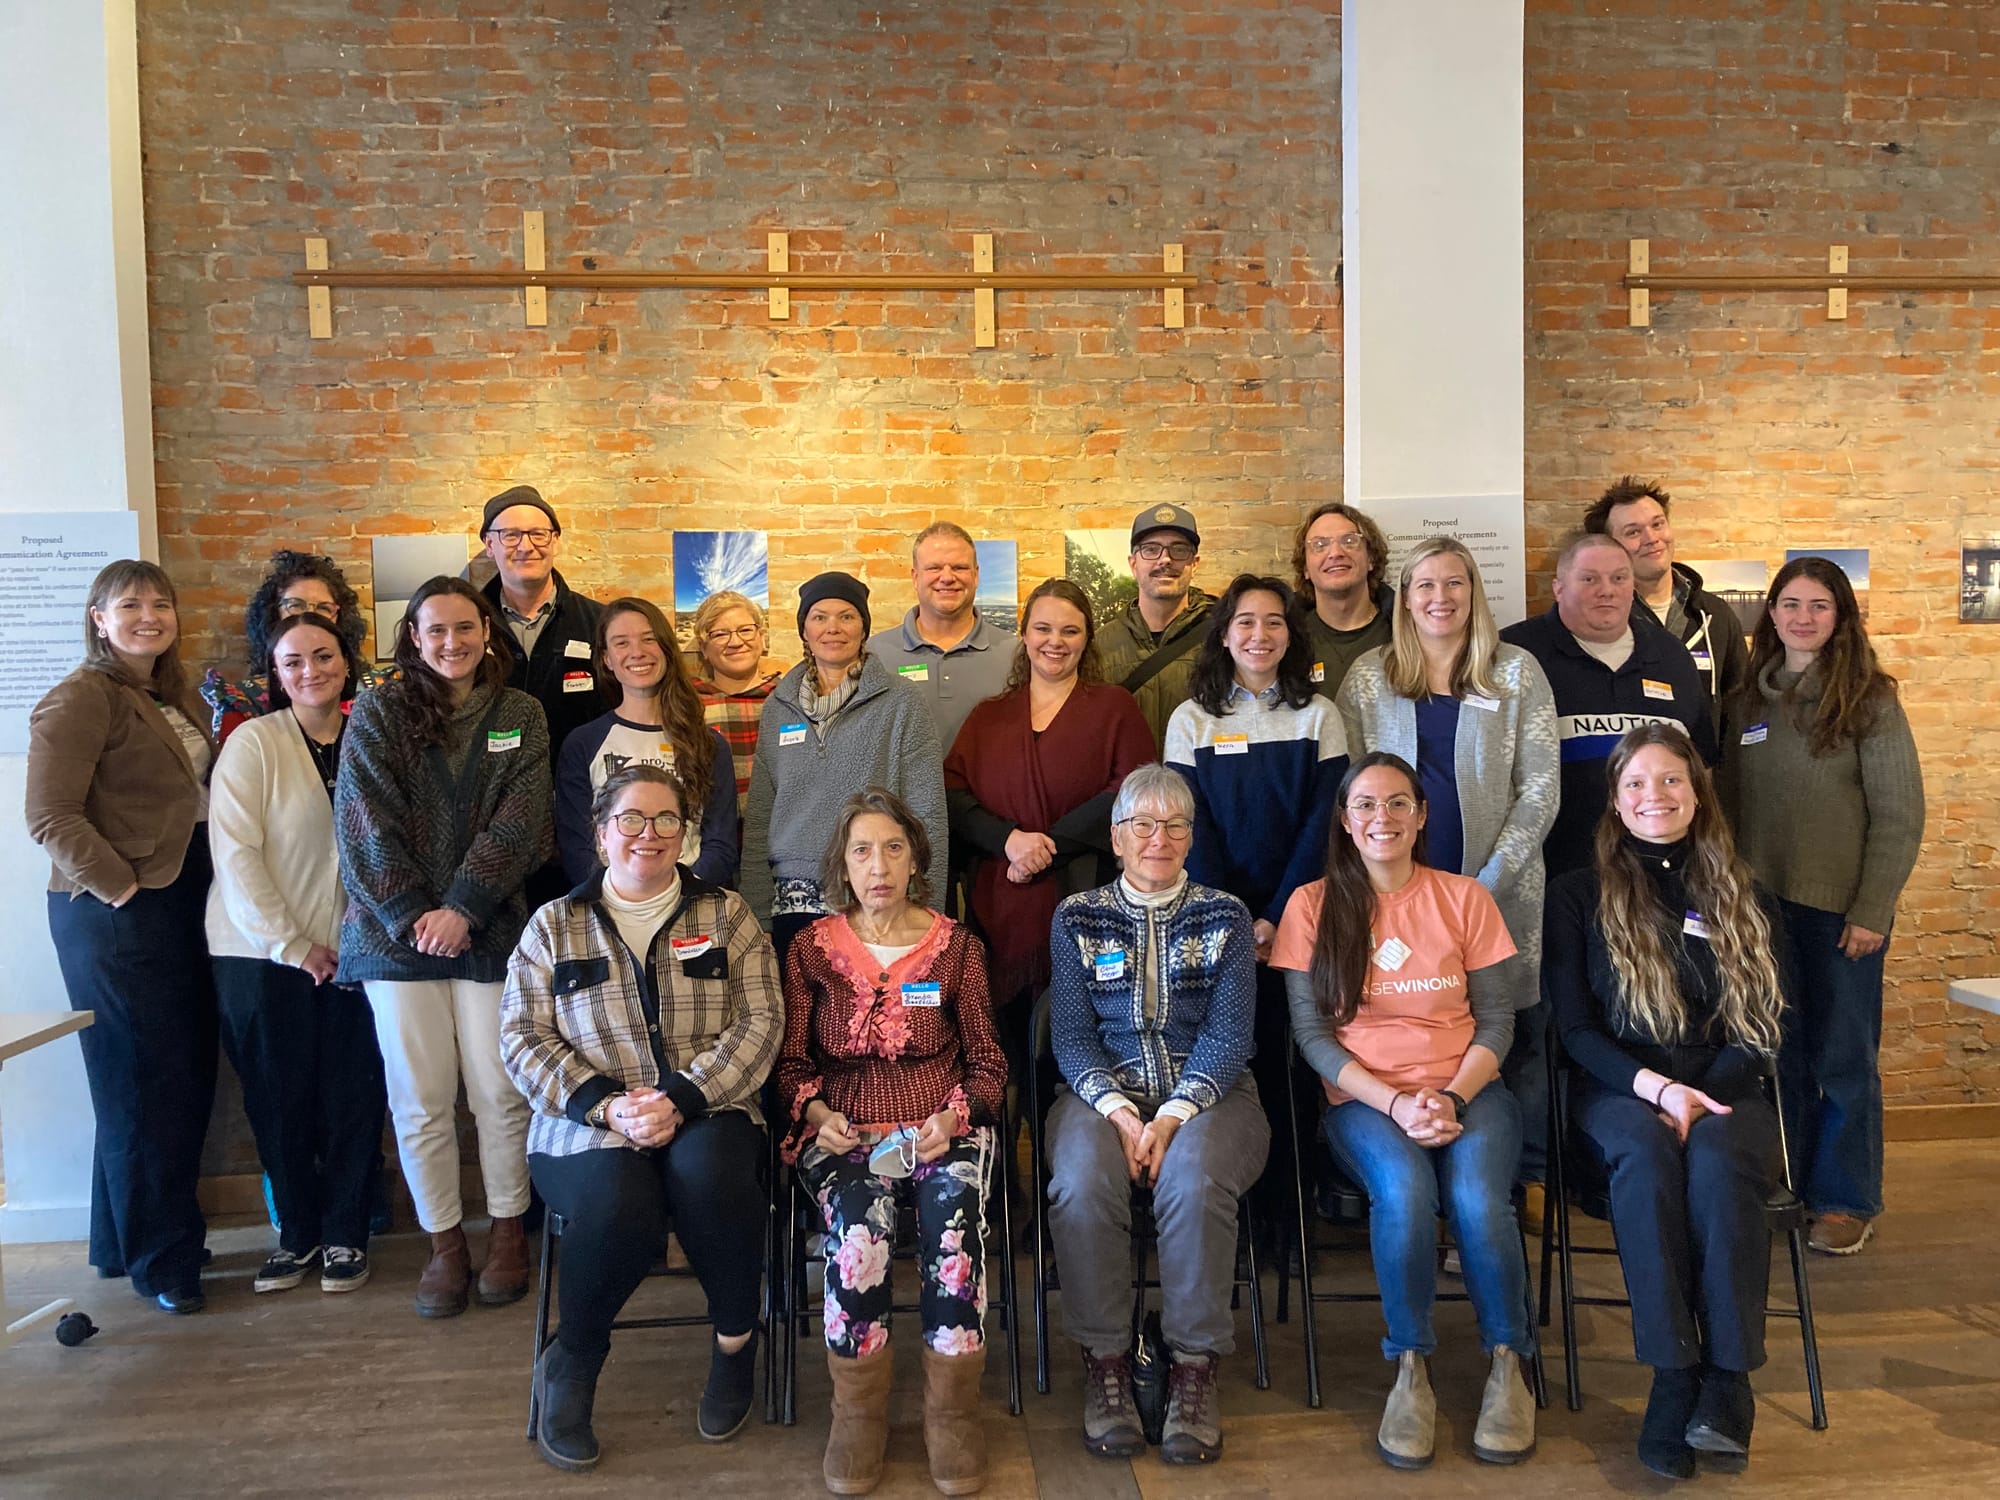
(1163, 656)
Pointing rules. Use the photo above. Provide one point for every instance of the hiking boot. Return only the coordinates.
(1110, 1415)
(1193, 1431)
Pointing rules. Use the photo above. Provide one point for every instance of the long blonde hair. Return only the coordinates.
(1636, 927)
(1403, 664)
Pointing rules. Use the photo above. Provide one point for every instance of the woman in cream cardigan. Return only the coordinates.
(1476, 718)
(303, 1046)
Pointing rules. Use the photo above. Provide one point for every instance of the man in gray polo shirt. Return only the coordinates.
(942, 648)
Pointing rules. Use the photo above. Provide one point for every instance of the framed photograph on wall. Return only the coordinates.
(1853, 561)
(999, 601)
(402, 565)
(709, 562)
(1741, 582)
(1100, 563)
(1979, 580)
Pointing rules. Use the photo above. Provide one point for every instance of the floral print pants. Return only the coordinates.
(860, 1213)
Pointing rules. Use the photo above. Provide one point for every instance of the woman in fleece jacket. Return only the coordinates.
(442, 810)
(837, 723)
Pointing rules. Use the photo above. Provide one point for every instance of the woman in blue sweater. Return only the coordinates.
(1263, 754)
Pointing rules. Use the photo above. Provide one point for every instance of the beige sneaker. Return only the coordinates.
(1408, 1433)
(1839, 1234)
(1506, 1430)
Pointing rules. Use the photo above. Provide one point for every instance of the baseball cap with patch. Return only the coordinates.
(1165, 518)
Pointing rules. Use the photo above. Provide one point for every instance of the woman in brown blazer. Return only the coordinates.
(117, 794)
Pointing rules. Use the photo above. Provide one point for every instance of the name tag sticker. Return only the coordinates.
(1693, 926)
(1701, 659)
(791, 734)
(1392, 955)
(1319, 671)
(1756, 734)
(691, 947)
(1484, 705)
(502, 739)
(926, 995)
(577, 648)
(916, 671)
(1232, 744)
(578, 682)
(1657, 689)
(1109, 965)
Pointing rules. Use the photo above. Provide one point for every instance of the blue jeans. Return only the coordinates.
(1472, 1182)
(1829, 1071)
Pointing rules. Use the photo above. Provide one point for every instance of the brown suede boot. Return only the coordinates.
(441, 1290)
(954, 1434)
(858, 1435)
(504, 1277)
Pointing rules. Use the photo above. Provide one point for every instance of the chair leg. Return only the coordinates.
(547, 1276)
(1257, 1342)
(1808, 1330)
(794, 1300)
(1037, 1176)
(1539, 1381)
(1308, 1323)
(773, 1281)
(1009, 1304)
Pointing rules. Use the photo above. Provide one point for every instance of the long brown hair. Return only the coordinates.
(350, 658)
(1343, 941)
(1089, 668)
(1854, 686)
(169, 681)
(675, 703)
(1637, 928)
(833, 886)
(418, 696)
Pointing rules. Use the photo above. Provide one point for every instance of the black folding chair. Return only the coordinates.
(1145, 1232)
(1589, 1192)
(552, 1232)
(798, 1307)
(1338, 1200)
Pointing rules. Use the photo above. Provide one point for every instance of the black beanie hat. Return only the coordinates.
(520, 494)
(842, 586)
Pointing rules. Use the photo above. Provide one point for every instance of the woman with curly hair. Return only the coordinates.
(1821, 778)
(1661, 964)
(1029, 782)
(296, 583)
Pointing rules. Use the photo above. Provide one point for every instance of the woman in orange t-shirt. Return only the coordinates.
(1396, 1003)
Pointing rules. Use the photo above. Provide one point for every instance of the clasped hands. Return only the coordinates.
(443, 933)
(1028, 855)
(1145, 1142)
(1426, 1117)
(839, 1135)
(645, 1117)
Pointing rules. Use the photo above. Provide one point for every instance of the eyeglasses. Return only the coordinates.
(632, 824)
(1398, 806)
(1180, 552)
(1177, 829)
(1354, 541)
(537, 537)
(724, 637)
(291, 605)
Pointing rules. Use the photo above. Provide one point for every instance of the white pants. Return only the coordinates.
(432, 1032)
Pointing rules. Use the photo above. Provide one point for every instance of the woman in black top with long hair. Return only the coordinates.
(1660, 961)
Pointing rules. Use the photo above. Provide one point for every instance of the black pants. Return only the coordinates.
(617, 1204)
(312, 1087)
(1271, 1194)
(1525, 1071)
(1690, 1224)
(150, 1058)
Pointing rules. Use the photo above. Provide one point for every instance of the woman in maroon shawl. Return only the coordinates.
(1029, 781)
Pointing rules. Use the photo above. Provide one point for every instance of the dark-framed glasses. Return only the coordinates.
(1180, 552)
(537, 537)
(1178, 829)
(664, 825)
(724, 637)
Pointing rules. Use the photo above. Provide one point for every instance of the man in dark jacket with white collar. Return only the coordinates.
(1633, 513)
(551, 629)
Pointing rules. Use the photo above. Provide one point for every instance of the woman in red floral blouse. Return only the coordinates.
(888, 1026)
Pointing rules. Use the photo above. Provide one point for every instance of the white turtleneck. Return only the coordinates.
(639, 922)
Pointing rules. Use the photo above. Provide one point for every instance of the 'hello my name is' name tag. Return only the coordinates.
(502, 739)
(1756, 734)
(1484, 705)
(915, 672)
(1109, 965)
(926, 995)
(791, 734)
(691, 947)
(1656, 689)
(578, 682)
(1319, 671)
(1232, 744)
(1694, 926)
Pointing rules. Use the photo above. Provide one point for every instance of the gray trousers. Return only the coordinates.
(1210, 1165)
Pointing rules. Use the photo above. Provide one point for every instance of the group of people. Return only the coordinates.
(658, 922)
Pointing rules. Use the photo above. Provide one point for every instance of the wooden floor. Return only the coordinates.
(300, 1394)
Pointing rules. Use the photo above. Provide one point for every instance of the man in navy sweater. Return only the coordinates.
(1610, 670)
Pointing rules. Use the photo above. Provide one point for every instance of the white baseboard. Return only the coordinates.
(21, 1224)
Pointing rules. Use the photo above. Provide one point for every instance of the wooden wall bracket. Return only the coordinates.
(777, 280)
(1836, 281)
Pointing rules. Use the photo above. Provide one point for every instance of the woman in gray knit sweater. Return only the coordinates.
(442, 809)
(1820, 774)
(1476, 718)
(836, 723)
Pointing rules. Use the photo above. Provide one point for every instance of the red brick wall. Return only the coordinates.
(1751, 136)
(1082, 136)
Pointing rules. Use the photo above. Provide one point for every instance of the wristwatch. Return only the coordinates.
(1457, 1101)
(600, 1112)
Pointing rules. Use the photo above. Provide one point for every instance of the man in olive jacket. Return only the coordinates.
(1149, 647)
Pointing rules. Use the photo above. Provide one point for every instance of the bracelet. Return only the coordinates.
(1660, 1094)
(1401, 1094)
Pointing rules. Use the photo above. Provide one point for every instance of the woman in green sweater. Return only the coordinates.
(1820, 774)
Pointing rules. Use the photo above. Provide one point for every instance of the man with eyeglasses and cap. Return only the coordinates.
(1148, 648)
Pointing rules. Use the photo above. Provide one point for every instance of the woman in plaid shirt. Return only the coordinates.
(641, 1016)
(730, 635)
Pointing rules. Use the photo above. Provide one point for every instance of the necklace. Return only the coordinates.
(326, 758)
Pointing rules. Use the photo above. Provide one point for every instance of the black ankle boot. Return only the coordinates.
(1719, 1430)
(732, 1388)
(1663, 1434)
(568, 1386)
